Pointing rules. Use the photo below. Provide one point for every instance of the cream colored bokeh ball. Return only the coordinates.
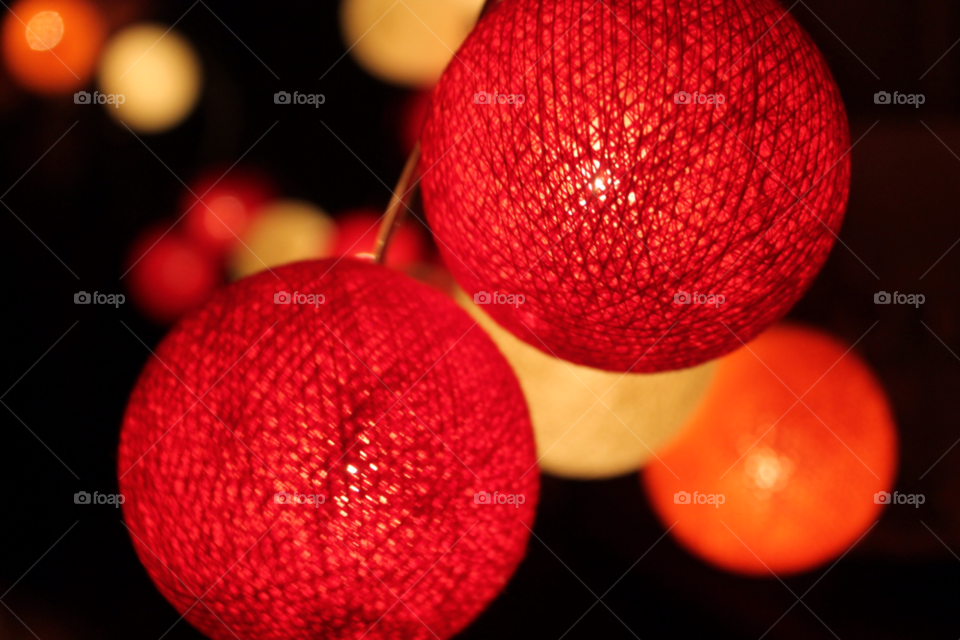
(406, 42)
(283, 232)
(581, 437)
(158, 73)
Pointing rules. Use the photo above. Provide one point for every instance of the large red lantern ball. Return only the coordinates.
(334, 452)
(643, 172)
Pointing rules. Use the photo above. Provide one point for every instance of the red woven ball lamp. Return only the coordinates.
(611, 160)
(332, 467)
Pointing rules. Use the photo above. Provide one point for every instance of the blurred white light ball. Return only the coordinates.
(157, 72)
(284, 231)
(410, 42)
(583, 438)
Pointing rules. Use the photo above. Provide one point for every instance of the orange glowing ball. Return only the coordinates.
(51, 46)
(798, 478)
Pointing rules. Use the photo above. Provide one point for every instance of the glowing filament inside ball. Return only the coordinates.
(596, 183)
(44, 30)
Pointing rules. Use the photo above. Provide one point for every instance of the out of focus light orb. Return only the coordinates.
(169, 276)
(580, 437)
(357, 237)
(283, 232)
(44, 30)
(406, 43)
(799, 478)
(158, 73)
(51, 46)
(220, 209)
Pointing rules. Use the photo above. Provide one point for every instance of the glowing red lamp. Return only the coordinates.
(220, 208)
(337, 453)
(626, 164)
(169, 275)
(358, 237)
(760, 481)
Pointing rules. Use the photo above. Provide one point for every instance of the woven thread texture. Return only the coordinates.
(600, 198)
(384, 399)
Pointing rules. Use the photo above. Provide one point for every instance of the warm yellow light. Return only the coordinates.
(158, 74)
(410, 42)
(285, 231)
(44, 31)
(579, 436)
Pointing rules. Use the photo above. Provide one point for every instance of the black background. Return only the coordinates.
(99, 186)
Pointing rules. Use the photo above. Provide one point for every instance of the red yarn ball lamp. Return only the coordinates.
(611, 160)
(360, 464)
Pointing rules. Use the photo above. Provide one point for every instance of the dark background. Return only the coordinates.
(94, 191)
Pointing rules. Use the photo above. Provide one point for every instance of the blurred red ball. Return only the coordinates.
(799, 478)
(358, 230)
(169, 275)
(219, 210)
(611, 160)
(304, 464)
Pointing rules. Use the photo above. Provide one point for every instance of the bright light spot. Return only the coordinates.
(351, 468)
(767, 470)
(44, 30)
(157, 71)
